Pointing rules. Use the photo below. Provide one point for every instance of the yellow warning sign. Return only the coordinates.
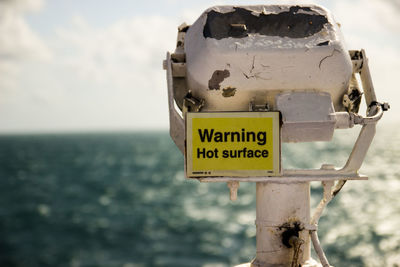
(234, 144)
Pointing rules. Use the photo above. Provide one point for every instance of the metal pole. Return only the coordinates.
(283, 210)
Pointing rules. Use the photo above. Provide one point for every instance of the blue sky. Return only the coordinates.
(96, 64)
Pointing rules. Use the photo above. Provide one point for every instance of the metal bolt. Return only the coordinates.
(385, 106)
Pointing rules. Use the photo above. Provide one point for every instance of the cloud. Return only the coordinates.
(97, 78)
(363, 16)
(375, 27)
(21, 5)
(18, 42)
(121, 53)
(110, 77)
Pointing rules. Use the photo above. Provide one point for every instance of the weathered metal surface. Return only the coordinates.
(352, 99)
(303, 52)
(306, 116)
(191, 103)
(281, 212)
(178, 61)
(176, 125)
(297, 22)
(359, 151)
(228, 91)
(217, 78)
(178, 69)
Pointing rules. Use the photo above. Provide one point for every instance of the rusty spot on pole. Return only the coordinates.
(291, 229)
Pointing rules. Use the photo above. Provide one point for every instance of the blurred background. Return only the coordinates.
(90, 177)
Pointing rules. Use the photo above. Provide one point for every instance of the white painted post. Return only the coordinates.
(277, 205)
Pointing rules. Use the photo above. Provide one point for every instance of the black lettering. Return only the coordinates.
(226, 134)
(215, 153)
(265, 153)
(225, 154)
(201, 153)
(218, 137)
(251, 134)
(262, 138)
(206, 135)
(233, 134)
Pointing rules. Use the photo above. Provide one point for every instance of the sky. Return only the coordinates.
(96, 65)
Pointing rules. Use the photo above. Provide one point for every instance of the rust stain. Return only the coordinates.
(217, 78)
(228, 91)
(292, 231)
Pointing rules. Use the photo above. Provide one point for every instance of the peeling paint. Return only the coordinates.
(323, 43)
(297, 22)
(228, 91)
(217, 78)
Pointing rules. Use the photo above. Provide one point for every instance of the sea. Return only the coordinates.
(121, 199)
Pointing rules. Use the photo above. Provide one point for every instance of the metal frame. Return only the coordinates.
(276, 197)
(176, 122)
(175, 67)
(327, 172)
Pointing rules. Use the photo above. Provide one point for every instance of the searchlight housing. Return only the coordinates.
(264, 59)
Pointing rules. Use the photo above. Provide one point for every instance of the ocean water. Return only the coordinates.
(122, 200)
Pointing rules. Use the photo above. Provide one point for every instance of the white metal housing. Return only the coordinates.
(290, 59)
(228, 67)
